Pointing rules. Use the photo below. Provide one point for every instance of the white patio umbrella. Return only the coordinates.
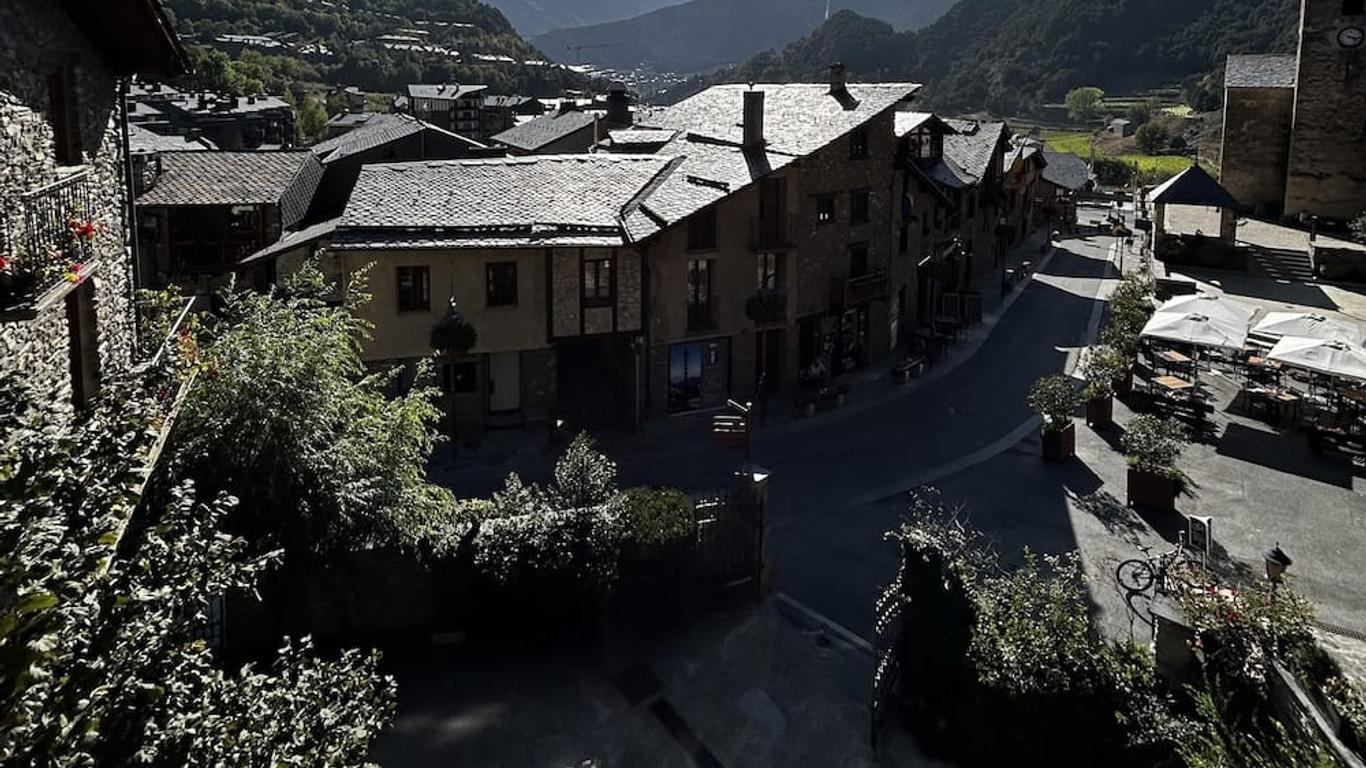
(1196, 329)
(1213, 306)
(1309, 326)
(1329, 356)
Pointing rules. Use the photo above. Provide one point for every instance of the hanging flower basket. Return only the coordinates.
(454, 335)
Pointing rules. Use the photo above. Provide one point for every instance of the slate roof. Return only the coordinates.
(443, 91)
(143, 141)
(640, 136)
(507, 102)
(1192, 186)
(1275, 70)
(799, 118)
(545, 130)
(294, 239)
(379, 130)
(909, 121)
(1065, 170)
(539, 201)
(237, 178)
(970, 148)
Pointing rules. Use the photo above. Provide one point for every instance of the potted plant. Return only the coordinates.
(454, 335)
(1152, 445)
(1055, 398)
(1104, 369)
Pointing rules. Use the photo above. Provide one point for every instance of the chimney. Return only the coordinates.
(754, 119)
(618, 106)
(837, 78)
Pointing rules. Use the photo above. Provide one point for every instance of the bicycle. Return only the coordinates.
(1164, 569)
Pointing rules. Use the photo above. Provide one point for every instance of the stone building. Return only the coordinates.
(774, 249)
(67, 315)
(455, 108)
(1294, 135)
(202, 213)
(565, 132)
(230, 122)
(533, 253)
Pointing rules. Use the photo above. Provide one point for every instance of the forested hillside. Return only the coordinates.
(340, 42)
(1011, 57)
(702, 35)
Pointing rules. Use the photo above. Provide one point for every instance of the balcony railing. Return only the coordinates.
(768, 306)
(56, 241)
(849, 291)
(772, 233)
(701, 317)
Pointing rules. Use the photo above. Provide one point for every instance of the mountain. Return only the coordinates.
(379, 45)
(701, 35)
(534, 17)
(1010, 57)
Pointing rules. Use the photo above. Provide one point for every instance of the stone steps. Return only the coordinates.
(1289, 265)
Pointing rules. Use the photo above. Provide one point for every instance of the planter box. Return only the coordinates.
(1153, 491)
(1100, 411)
(1060, 445)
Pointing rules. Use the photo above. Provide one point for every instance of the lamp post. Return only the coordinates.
(1277, 561)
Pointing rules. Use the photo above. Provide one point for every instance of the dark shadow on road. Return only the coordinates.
(1117, 518)
(1283, 453)
(1287, 292)
(1079, 479)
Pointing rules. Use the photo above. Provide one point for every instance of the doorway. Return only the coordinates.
(505, 381)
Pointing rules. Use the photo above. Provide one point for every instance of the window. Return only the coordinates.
(1353, 7)
(858, 145)
(825, 209)
(702, 231)
(459, 378)
(858, 260)
(414, 289)
(64, 116)
(767, 271)
(858, 207)
(597, 283)
(243, 218)
(699, 294)
(502, 283)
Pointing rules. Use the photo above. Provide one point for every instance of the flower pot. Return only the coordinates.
(1100, 411)
(1060, 444)
(1153, 490)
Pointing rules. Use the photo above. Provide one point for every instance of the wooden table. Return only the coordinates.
(1173, 357)
(1173, 384)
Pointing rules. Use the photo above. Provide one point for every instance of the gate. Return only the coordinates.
(889, 623)
(730, 541)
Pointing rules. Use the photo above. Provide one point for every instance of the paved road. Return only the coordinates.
(828, 556)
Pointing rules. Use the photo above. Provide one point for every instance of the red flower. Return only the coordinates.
(73, 272)
(4, 263)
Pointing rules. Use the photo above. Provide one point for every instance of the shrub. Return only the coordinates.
(1054, 398)
(1103, 366)
(658, 518)
(1359, 228)
(584, 477)
(1152, 138)
(1153, 444)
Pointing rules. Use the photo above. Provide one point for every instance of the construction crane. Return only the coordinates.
(579, 49)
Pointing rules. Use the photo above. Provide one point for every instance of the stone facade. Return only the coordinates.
(1327, 173)
(1255, 153)
(37, 41)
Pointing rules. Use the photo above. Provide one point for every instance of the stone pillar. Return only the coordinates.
(1228, 226)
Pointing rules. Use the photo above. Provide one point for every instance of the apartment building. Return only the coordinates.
(452, 107)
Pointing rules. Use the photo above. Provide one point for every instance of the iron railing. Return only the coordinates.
(58, 231)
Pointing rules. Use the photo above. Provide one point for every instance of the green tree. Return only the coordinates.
(310, 120)
(1152, 138)
(286, 419)
(101, 595)
(1084, 103)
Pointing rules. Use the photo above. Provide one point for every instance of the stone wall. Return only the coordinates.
(1327, 172)
(1256, 147)
(36, 39)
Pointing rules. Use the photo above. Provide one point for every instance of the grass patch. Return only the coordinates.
(1169, 165)
(1076, 142)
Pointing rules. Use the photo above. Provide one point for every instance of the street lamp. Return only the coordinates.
(1277, 561)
